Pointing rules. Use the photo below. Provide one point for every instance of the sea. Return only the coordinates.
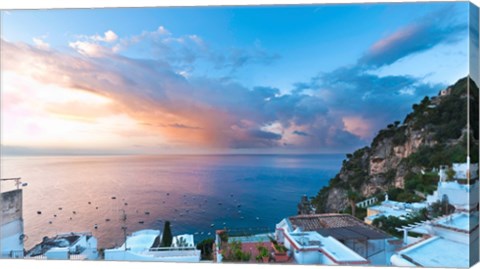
(198, 194)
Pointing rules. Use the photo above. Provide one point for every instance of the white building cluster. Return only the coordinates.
(449, 241)
(141, 246)
(69, 246)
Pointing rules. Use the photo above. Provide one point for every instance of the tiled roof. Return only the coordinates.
(339, 226)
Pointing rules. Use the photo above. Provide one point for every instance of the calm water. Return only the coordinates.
(193, 192)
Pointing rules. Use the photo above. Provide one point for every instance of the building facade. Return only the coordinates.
(12, 231)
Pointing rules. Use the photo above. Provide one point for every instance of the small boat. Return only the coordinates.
(258, 218)
(211, 225)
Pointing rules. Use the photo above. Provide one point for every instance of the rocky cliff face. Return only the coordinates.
(433, 134)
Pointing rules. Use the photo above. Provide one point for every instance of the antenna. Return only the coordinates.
(18, 183)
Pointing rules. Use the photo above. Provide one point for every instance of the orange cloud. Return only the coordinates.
(358, 126)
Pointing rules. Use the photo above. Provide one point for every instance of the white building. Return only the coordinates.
(313, 248)
(462, 171)
(337, 236)
(389, 208)
(11, 231)
(142, 246)
(450, 241)
(69, 246)
(463, 197)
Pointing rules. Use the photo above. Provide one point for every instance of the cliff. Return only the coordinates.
(433, 134)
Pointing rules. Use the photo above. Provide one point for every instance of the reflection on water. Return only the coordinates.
(198, 194)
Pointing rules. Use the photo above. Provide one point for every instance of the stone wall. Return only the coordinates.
(11, 206)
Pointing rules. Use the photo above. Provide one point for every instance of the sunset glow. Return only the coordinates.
(162, 85)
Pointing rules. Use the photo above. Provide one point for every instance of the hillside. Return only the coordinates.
(433, 134)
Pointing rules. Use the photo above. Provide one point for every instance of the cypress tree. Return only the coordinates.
(167, 235)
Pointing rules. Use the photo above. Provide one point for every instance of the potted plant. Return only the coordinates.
(280, 250)
(263, 254)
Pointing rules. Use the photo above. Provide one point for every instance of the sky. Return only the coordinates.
(256, 79)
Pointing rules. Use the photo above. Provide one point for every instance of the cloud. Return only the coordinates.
(163, 101)
(214, 113)
(264, 135)
(88, 48)
(437, 28)
(237, 58)
(41, 44)
(199, 111)
(183, 126)
(108, 36)
(366, 102)
(184, 52)
(300, 133)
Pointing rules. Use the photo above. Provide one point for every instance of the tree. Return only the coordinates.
(167, 235)
(206, 248)
(352, 198)
(450, 174)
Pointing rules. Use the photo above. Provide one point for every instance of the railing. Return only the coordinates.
(16, 254)
(38, 257)
(173, 252)
(367, 202)
(171, 248)
(77, 257)
(248, 231)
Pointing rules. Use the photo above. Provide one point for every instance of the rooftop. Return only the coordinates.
(328, 245)
(146, 243)
(254, 238)
(396, 209)
(437, 252)
(141, 240)
(339, 226)
(458, 221)
(59, 241)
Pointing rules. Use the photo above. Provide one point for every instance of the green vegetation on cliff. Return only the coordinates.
(433, 134)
